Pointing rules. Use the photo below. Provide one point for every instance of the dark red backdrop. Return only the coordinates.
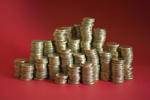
(21, 21)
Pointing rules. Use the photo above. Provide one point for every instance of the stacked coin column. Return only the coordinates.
(54, 65)
(36, 50)
(27, 71)
(86, 33)
(66, 60)
(76, 32)
(17, 65)
(88, 74)
(99, 39)
(127, 55)
(61, 78)
(93, 58)
(79, 59)
(105, 66)
(113, 49)
(60, 39)
(74, 45)
(74, 74)
(41, 68)
(48, 47)
(117, 71)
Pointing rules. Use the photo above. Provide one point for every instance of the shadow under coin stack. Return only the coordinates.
(17, 65)
(27, 70)
(36, 50)
(86, 33)
(61, 78)
(87, 73)
(54, 65)
(41, 68)
(48, 47)
(93, 58)
(105, 66)
(127, 55)
(74, 74)
(117, 70)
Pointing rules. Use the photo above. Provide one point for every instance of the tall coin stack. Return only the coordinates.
(74, 45)
(93, 58)
(113, 49)
(41, 68)
(88, 73)
(117, 70)
(54, 65)
(36, 50)
(127, 55)
(48, 47)
(105, 66)
(17, 65)
(60, 39)
(27, 70)
(74, 74)
(79, 59)
(99, 39)
(86, 33)
(66, 59)
(61, 78)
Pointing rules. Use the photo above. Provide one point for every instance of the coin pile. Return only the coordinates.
(67, 59)
(99, 38)
(17, 65)
(74, 45)
(79, 58)
(76, 32)
(36, 50)
(54, 65)
(105, 66)
(88, 73)
(26, 71)
(61, 78)
(113, 49)
(86, 33)
(92, 57)
(48, 47)
(74, 74)
(127, 55)
(117, 70)
(41, 68)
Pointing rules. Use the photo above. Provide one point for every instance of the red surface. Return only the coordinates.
(21, 21)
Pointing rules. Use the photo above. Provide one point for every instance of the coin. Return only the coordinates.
(60, 78)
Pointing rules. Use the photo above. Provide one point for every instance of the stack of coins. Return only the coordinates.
(68, 32)
(88, 73)
(117, 70)
(36, 50)
(66, 59)
(113, 49)
(86, 33)
(27, 71)
(74, 45)
(48, 47)
(74, 74)
(41, 68)
(92, 57)
(127, 55)
(60, 78)
(54, 65)
(60, 39)
(99, 39)
(76, 32)
(105, 66)
(79, 58)
(17, 65)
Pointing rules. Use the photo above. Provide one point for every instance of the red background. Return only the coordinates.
(126, 22)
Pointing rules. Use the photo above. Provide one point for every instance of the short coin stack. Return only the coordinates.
(48, 47)
(27, 71)
(61, 78)
(118, 70)
(74, 45)
(127, 55)
(41, 68)
(74, 74)
(79, 58)
(54, 65)
(17, 65)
